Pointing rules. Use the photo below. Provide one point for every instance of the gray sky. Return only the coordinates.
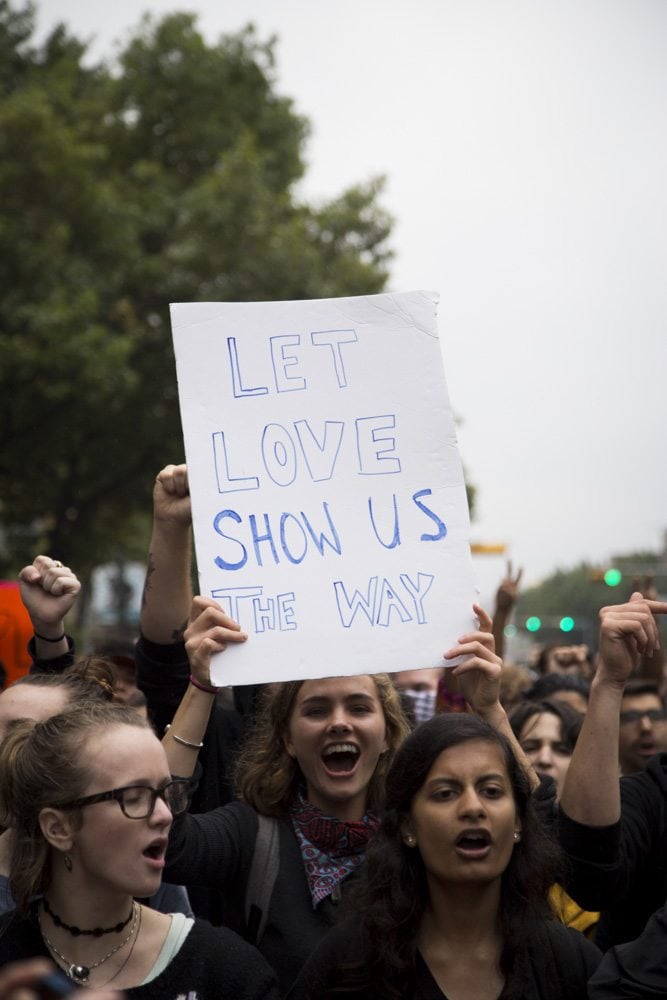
(526, 153)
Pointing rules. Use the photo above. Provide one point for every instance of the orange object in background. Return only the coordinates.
(15, 631)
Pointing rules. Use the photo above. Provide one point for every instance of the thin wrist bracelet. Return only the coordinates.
(203, 687)
(179, 739)
(45, 639)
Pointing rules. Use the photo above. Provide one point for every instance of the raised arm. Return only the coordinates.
(167, 596)
(209, 631)
(591, 793)
(479, 677)
(48, 591)
(506, 598)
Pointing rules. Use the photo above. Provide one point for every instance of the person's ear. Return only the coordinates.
(57, 828)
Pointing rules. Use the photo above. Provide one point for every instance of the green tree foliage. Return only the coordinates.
(168, 176)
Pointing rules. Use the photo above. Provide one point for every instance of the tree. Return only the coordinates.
(168, 176)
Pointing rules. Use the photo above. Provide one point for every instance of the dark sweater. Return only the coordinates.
(636, 970)
(622, 869)
(212, 964)
(216, 849)
(561, 962)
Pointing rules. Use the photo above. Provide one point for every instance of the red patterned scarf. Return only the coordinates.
(331, 848)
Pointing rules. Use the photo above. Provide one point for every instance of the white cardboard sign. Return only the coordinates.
(329, 508)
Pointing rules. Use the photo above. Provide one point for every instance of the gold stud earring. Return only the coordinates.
(409, 840)
(517, 836)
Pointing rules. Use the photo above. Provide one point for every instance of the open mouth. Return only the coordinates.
(155, 851)
(474, 843)
(340, 758)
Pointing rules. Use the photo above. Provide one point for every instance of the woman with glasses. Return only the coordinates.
(92, 801)
(39, 695)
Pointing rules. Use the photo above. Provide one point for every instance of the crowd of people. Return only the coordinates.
(460, 833)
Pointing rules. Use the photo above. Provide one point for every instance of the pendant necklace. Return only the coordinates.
(80, 973)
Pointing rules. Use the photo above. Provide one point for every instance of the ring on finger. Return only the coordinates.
(57, 563)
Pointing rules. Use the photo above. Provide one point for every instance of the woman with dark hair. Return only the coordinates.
(547, 732)
(453, 902)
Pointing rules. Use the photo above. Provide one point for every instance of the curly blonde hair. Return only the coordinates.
(267, 777)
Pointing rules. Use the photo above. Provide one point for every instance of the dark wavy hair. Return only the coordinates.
(393, 891)
(570, 720)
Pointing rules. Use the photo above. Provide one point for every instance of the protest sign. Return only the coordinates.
(329, 508)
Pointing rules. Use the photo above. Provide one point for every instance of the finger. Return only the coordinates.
(51, 579)
(634, 628)
(631, 612)
(209, 615)
(29, 574)
(508, 569)
(657, 607)
(519, 574)
(165, 478)
(475, 647)
(181, 480)
(488, 668)
(44, 563)
(68, 584)
(485, 620)
(200, 605)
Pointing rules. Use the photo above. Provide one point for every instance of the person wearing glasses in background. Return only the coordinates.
(643, 731)
(91, 801)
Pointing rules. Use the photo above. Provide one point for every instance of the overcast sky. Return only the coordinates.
(525, 146)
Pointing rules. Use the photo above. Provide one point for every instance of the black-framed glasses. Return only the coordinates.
(138, 801)
(634, 715)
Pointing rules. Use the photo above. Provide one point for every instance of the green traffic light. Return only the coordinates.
(533, 624)
(566, 624)
(613, 577)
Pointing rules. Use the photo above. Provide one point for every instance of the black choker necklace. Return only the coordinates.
(95, 932)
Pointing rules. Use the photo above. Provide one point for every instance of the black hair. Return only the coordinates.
(548, 684)
(636, 686)
(393, 891)
(570, 719)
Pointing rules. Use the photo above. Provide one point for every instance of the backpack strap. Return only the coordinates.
(261, 878)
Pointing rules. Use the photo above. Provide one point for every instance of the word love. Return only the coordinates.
(313, 449)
